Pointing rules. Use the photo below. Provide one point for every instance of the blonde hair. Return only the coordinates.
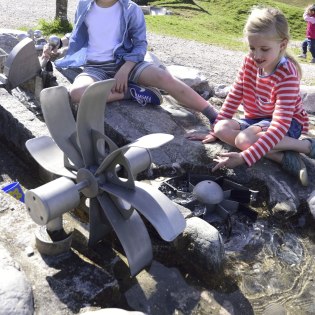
(272, 21)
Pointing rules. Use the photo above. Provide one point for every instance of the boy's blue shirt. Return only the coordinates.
(133, 46)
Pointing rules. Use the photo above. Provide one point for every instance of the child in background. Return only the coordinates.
(109, 41)
(268, 87)
(309, 42)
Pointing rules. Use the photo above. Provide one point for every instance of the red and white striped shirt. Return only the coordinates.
(275, 96)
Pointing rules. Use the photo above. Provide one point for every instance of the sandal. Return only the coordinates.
(312, 153)
(293, 164)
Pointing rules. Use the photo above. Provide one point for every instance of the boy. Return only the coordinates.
(109, 40)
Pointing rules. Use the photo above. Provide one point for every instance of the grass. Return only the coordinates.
(56, 27)
(219, 22)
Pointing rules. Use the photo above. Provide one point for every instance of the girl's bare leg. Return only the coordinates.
(250, 135)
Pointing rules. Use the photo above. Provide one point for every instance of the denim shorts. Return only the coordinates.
(107, 70)
(294, 131)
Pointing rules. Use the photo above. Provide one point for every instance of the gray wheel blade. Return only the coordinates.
(99, 226)
(91, 117)
(230, 205)
(131, 233)
(154, 205)
(60, 121)
(48, 155)
(151, 141)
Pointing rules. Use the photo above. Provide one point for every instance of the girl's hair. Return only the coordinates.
(272, 21)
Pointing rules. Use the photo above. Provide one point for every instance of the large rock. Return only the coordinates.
(308, 97)
(16, 296)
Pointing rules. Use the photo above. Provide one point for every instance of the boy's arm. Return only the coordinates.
(137, 33)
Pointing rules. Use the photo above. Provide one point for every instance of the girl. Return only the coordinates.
(268, 88)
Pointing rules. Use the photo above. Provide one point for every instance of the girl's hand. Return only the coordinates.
(228, 160)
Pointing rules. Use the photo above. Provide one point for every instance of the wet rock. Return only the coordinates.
(311, 203)
(112, 311)
(16, 296)
(193, 78)
(222, 91)
(308, 97)
(201, 245)
(163, 290)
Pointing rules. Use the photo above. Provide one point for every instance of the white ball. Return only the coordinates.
(208, 192)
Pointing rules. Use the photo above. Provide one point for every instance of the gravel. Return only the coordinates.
(219, 65)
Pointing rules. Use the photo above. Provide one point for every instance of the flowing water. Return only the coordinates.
(271, 261)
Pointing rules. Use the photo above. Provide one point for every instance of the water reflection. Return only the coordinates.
(274, 263)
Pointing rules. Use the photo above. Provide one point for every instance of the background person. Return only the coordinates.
(309, 42)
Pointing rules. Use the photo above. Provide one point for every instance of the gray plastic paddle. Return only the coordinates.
(158, 209)
(90, 118)
(49, 156)
(131, 233)
(60, 122)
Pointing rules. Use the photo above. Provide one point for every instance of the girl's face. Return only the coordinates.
(266, 51)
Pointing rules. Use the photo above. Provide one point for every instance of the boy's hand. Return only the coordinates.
(121, 84)
(205, 138)
(210, 137)
(229, 160)
(49, 53)
(122, 76)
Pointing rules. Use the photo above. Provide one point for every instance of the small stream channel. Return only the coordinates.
(270, 262)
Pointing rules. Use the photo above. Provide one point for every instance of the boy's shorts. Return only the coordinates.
(294, 131)
(107, 70)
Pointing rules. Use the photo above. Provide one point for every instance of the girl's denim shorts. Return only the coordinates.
(294, 131)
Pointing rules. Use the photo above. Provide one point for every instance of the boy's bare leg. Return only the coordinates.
(81, 83)
(185, 95)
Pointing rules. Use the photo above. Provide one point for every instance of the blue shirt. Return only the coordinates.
(133, 44)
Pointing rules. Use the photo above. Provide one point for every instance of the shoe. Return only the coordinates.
(145, 95)
(303, 56)
(312, 60)
(312, 153)
(293, 164)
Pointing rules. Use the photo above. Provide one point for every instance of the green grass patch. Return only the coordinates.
(219, 22)
(57, 27)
